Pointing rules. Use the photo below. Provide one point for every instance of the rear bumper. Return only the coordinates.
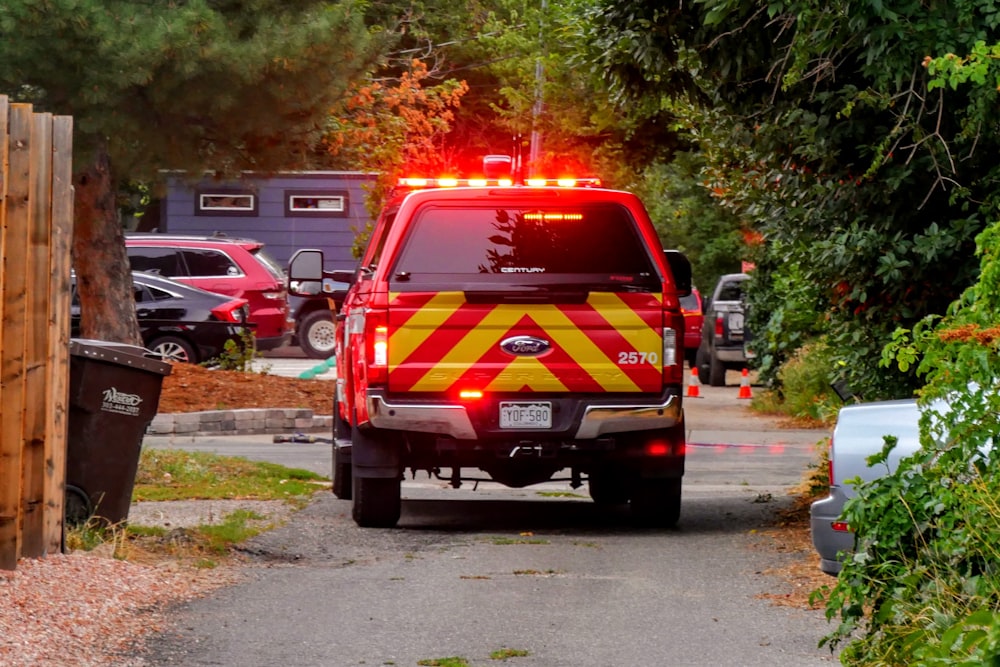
(589, 420)
(731, 354)
(831, 545)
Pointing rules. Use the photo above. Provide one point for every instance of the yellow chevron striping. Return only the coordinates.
(528, 372)
(423, 323)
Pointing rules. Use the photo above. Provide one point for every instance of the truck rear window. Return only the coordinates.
(518, 242)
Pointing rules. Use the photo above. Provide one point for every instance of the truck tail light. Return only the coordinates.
(719, 329)
(673, 338)
(377, 347)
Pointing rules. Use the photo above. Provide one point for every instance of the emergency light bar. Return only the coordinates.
(448, 182)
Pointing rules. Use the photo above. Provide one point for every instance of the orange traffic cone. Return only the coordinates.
(693, 385)
(745, 385)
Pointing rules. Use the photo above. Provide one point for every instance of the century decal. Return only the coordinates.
(610, 343)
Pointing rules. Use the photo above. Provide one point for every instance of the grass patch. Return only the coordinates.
(503, 541)
(444, 662)
(168, 474)
(235, 528)
(507, 653)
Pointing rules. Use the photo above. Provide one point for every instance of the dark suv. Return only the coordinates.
(232, 266)
(723, 337)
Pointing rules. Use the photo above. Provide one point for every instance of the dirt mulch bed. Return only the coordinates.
(191, 388)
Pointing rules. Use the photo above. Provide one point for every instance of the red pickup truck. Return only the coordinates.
(512, 332)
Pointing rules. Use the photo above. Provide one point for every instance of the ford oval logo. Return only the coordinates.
(525, 346)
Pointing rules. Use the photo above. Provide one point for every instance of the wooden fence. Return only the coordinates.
(36, 217)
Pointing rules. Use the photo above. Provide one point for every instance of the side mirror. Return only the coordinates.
(306, 265)
(680, 266)
(305, 272)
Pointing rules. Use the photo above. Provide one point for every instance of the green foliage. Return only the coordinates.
(923, 586)
(194, 85)
(238, 356)
(821, 133)
(805, 383)
(689, 219)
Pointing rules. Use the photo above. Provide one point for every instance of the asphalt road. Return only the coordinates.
(475, 570)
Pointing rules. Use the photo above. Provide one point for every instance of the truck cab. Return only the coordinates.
(512, 332)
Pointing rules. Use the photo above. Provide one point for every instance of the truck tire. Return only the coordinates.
(716, 372)
(317, 334)
(701, 363)
(377, 502)
(608, 487)
(656, 503)
(342, 473)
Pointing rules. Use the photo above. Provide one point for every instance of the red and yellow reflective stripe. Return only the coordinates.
(440, 342)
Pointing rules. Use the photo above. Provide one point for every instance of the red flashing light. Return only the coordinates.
(657, 448)
(470, 394)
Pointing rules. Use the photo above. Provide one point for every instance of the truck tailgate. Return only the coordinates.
(604, 342)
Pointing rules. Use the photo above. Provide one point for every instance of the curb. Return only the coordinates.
(247, 421)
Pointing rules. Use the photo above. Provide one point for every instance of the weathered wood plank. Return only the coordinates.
(12, 339)
(57, 415)
(36, 348)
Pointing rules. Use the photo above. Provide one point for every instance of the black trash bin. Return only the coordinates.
(114, 391)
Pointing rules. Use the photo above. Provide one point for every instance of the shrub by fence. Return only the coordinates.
(36, 217)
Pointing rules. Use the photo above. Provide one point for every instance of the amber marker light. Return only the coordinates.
(470, 394)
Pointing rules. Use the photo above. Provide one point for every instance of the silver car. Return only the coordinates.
(859, 433)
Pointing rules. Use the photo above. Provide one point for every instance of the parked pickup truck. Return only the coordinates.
(859, 433)
(723, 337)
(517, 331)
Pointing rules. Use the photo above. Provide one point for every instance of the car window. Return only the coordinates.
(731, 290)
(161, 261)
(157, 294)
(690, 302)
(209, 263)
(539, 240)
(270, 264)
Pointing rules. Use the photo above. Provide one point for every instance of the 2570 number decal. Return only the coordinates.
(637, 358)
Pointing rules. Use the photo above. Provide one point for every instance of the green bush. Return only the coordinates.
(923, 584)
(805, 383)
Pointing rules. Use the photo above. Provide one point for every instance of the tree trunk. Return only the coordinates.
(103, 277)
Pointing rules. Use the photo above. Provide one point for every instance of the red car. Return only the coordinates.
(694, 317)
(232, 266)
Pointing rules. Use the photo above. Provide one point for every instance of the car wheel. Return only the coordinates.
(608, 487)
(172, 348)
(317, 334)
(701, 363)
(716, 372)
(657, 502)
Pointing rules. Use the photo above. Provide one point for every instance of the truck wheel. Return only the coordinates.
(657, 502)
(341, 460)
(317, 334)
(608, 488)
(701, 363)
(377, 502)
(342, 482)
(717, 372)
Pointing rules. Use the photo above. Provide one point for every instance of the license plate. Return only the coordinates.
(525, 415)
